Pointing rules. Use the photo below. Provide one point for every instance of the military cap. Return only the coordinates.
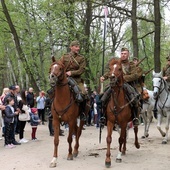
(168, 58)
(74, 43)
(124, 49)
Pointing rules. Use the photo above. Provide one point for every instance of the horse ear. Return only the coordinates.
(53, 59)
(157, 74)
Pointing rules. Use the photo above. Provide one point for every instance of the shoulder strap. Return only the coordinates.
(75, 60)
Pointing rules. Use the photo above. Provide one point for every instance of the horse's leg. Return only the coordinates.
(144, 116)
(70, 139)
(150, 117)
(159, 118)
(122, 141)
(108, 140)
(56, 143)
(78, 134)
(165, 140)
(136, 137)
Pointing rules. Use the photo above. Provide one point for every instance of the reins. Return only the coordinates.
(161, 90)
(60, 113)
(117, 105)
(158, 96)
(59, 83)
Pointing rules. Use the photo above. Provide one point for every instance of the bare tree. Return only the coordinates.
(157, 42)
(18, 46)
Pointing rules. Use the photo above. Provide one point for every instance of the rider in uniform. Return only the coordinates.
(166, 72)
(132, 86)
(75, 66)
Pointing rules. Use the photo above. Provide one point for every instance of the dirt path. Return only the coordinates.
(36, 155)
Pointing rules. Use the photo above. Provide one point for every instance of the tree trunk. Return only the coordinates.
(134, 29)
(157, 22)
(18, 47)
(86, 40)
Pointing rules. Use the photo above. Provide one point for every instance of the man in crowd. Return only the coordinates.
(12, 94)
(30, 98)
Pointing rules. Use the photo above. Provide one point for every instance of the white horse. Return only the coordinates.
(146, 112)
(162, 95)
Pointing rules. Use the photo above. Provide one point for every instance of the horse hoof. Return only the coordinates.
(118, 160)
(107, 164)
(123, 153)
(70, 158)
(164, 142)
(164, 134)
(143, 137)
(53, 165)
(137, 146)
(75, 155)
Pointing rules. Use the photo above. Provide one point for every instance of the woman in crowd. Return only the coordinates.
(22, 123)
(41, 106)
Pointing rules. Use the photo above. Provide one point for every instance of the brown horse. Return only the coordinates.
(64, 109)
(118, 111)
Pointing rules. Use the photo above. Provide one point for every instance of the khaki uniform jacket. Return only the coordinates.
(166, 72)
(132, 75)
(76, 64)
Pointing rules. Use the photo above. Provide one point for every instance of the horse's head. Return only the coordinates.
(57, 73)
(116, 73)
(157, 86)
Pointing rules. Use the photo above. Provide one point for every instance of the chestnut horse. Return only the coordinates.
(64, 109)
(118, 111)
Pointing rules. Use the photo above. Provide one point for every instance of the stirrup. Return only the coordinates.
(79, 98)
(135, 121)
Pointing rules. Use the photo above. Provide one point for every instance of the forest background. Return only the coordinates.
(31, 31)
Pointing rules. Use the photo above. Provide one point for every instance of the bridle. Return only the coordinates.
(115, 81)
(160, 90)
(57, 79)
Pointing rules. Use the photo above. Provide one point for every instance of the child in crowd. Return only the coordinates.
(9, 122)
(34, 121)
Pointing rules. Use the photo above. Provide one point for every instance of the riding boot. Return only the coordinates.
(135, 119)
(83, 110)
(76, 90)
(106, 96)
(131, 93)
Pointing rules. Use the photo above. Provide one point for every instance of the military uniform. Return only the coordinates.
(76, 64)
(166, 72)
(132, 75)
